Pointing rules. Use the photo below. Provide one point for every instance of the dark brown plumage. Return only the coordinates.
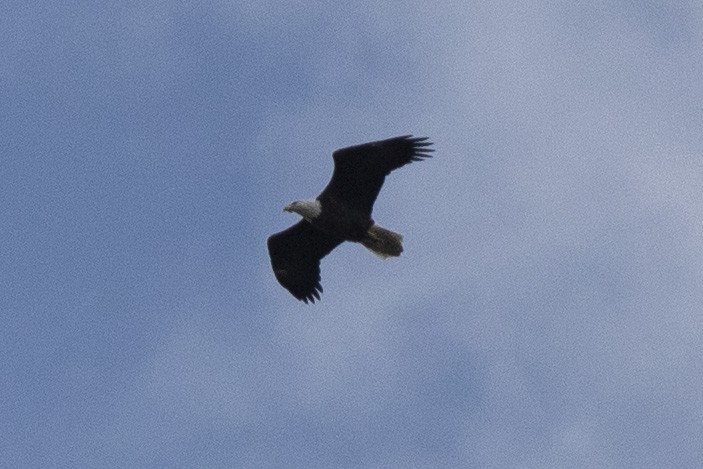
(342, 212)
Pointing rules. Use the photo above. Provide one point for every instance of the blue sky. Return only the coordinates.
(546, 312)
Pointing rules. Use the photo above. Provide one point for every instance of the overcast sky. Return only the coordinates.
(547, 310)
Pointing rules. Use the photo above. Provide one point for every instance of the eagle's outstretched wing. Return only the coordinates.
(359, 171)
(295, 257)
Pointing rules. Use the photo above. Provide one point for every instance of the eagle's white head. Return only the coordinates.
(308, 209)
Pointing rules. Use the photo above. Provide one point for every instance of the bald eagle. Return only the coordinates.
(342, 212)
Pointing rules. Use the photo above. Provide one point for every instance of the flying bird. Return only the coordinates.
(342, 212)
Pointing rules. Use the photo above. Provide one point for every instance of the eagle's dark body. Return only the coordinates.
(339, 220)
(342, 212)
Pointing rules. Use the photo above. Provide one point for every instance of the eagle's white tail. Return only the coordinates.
(382, 242)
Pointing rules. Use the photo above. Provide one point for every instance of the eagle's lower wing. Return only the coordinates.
(295, 257)
(359, 171)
